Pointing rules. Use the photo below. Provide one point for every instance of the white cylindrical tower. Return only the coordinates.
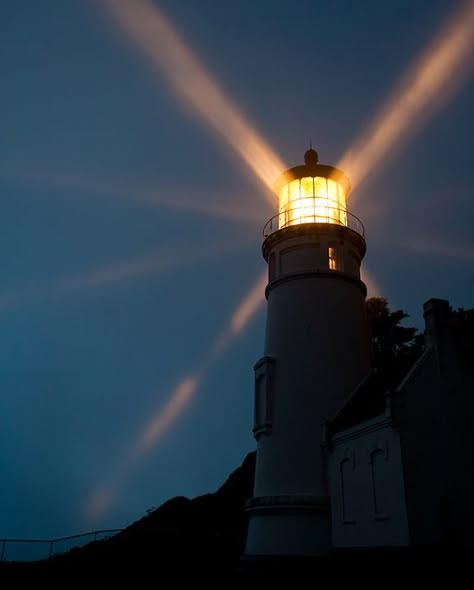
(317, 350)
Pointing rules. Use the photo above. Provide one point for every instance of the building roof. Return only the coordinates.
(365, 402)
(448, 337)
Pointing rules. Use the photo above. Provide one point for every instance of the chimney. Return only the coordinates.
(436, 313)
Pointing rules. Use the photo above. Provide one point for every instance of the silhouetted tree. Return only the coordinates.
(395, 347)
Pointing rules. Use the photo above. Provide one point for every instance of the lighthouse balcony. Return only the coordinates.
(313, 213)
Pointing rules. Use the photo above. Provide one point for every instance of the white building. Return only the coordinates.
(401, 462)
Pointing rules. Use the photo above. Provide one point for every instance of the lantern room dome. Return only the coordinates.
(312, 193)
(311, 167)
(311, 157)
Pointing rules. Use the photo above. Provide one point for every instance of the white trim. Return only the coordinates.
(378, 423)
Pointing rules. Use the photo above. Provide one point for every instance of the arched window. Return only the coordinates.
(263, 394)
(347, 490)
(379, 467)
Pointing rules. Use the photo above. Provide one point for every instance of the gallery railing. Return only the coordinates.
(313, 214)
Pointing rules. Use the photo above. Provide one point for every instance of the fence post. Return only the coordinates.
(3, 549)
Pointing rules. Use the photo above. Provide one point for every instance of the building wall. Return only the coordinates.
(366, 486)
(434, 410)
(418, 414)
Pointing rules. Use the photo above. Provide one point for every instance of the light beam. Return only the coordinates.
(115, 273)
(449, 249)
(103, 497)
(147, 27)
(373, 288)
(177, 402)
(206, 201)
(433, 79)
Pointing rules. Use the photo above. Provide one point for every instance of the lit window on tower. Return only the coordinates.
(332, 258)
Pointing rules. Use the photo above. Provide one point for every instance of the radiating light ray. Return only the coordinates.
(374, 212)
(222, 206)
(103, 497)
(154, 34)
(249, 305)
(433, 79)
(98, 503)
(115, 273)
(177, 402)
(123, 271)
(373, 288)
(233, 208)
(239, 319)
(447, 248)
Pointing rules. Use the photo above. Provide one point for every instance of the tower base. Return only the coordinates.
(289, 525)
(279, 567)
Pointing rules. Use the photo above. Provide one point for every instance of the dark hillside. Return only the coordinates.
(182, 538)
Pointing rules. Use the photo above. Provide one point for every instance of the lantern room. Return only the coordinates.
(311, 193)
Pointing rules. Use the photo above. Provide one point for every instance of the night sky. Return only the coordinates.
(131, 230)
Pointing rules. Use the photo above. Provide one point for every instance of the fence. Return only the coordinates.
(37, 549)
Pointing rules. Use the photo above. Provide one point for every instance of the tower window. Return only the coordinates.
(332, 258)
(380, 471)
(348, 489)
(263, 396)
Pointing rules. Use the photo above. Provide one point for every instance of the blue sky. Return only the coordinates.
(119, 269)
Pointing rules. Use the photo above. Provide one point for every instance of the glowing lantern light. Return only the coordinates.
(312, 193)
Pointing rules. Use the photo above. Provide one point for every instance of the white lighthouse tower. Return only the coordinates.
(316, 353)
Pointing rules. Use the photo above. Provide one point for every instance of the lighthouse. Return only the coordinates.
(316, 352)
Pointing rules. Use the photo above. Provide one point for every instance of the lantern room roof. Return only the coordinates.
(312, 168)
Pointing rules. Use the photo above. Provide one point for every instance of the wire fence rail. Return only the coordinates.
(48, 545)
